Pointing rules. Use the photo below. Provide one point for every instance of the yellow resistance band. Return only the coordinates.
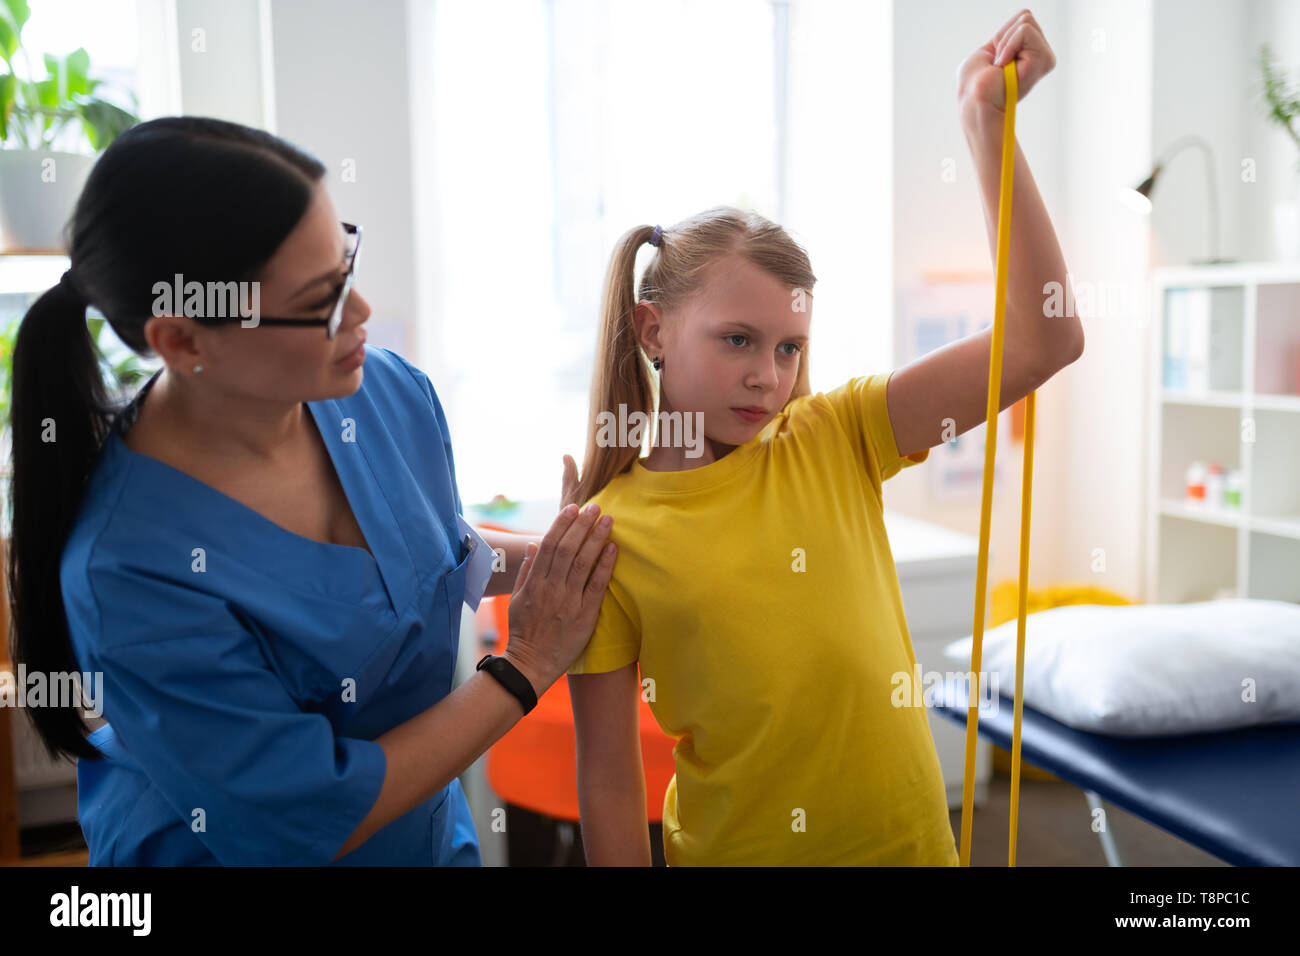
(986, 505)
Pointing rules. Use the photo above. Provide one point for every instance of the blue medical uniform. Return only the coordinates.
(247, 670)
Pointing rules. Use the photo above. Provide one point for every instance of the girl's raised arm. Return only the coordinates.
(945, 393)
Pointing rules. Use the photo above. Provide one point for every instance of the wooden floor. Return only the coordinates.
(76, 858)
(1056, 830)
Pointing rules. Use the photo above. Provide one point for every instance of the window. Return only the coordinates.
(108, 30)
(560, 125)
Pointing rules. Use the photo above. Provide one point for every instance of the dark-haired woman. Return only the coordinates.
(262, 554)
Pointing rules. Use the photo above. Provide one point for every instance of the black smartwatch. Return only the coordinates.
(509, 677)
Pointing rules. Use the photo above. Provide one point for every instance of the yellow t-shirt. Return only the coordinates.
(760, 597)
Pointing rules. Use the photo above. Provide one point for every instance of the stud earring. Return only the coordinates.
(198, 368)
(658, 363)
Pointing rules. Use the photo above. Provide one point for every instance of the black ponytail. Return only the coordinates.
(210, 199)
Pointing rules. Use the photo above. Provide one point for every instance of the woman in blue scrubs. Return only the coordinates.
(261, 554)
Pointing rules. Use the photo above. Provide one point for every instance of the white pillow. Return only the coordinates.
(1151, 670)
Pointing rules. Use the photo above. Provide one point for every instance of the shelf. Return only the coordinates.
(1202, 339)
(1275, 465)
(1224, 386)
(1234, 273)
(1188, 433)
(1279, 403)
(1283, 526)
(1273, 569)
(1276, 403)
(1180, 396)
(1273, 562)
(1174, 508)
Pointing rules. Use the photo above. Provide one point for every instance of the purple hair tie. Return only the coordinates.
(657, 237)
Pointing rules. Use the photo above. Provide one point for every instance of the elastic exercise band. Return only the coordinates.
(986, 504)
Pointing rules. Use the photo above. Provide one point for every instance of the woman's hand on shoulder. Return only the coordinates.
(558, 594)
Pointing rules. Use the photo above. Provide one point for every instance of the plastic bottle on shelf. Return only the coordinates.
(1232, 489)
(1195, 484)
(1214, 485)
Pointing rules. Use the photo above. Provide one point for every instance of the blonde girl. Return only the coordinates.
(755, 603)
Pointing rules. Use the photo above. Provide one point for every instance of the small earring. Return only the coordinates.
(658, 363)
(198, 368)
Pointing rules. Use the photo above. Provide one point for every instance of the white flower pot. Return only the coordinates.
(38, 192)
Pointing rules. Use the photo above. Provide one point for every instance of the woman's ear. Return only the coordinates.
(174, 339)
(648, 321)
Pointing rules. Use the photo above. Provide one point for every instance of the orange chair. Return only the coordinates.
(534, 766)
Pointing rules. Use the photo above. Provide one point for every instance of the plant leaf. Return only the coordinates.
(13, 15)
(47, 92)
(104, 122)
(78, 69)
(8, 87)
(69, 74)
(1282, 104)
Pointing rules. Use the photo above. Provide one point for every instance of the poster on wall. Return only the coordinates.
(939, 309)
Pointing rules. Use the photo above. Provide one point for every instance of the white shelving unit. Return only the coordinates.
(1247, 417)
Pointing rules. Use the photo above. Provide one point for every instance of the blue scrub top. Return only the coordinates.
(247, 669)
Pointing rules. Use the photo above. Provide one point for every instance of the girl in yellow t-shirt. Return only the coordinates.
(755, 603)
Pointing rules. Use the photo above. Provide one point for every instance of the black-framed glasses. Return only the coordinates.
(352, 249)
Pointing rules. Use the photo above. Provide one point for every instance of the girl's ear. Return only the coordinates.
(648, 321)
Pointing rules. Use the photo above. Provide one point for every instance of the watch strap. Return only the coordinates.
(510, 678)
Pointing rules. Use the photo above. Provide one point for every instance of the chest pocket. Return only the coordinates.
(452, 596)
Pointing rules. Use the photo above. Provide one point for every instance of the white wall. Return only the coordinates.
(939, 227)
(1207, 81)
(1199, 87)
(425, 338)
(342, 92)
(1102, 441)
(1276, 22)
(843, 54)
(332, 78)
(221, 49)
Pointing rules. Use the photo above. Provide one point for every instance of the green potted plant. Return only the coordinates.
(39, 185)
(1282, 107)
